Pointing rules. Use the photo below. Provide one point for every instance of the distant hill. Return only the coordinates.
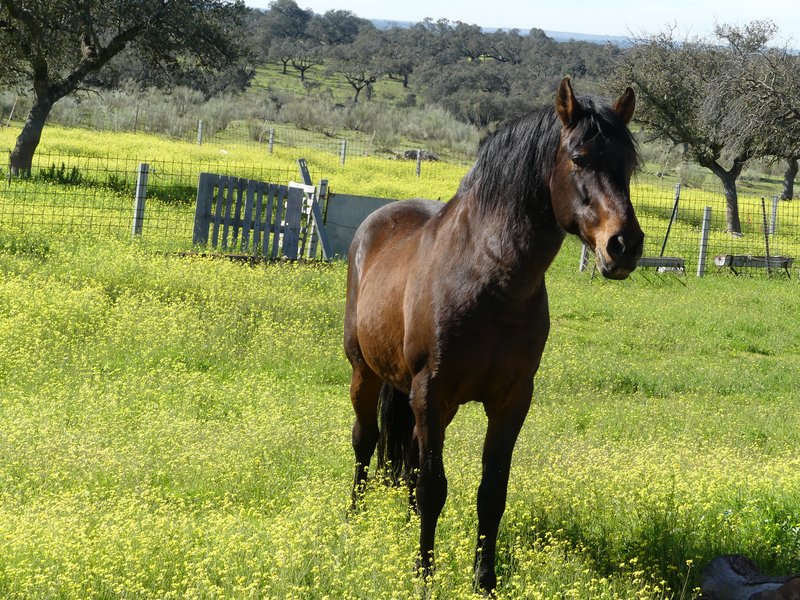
(559, 36)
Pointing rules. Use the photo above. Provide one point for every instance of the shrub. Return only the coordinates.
(312, 115)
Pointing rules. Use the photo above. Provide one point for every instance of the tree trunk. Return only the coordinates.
(29, 137)
(731, 204)
(788, 179)
(728, 179)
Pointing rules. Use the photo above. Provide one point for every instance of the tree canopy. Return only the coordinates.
(51, 46)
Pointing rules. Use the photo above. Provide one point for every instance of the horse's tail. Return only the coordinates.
(395, 440)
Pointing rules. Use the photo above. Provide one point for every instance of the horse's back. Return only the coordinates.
(389, 229)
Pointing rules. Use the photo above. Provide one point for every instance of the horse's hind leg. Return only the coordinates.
(365, 387)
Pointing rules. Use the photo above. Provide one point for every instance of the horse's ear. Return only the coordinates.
(625, 105)
(569, 111)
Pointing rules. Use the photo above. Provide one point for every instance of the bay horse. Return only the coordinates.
(446, 303)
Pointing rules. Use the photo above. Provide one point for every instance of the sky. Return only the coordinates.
(627, 18)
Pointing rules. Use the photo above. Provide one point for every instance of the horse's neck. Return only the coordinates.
(519, 245)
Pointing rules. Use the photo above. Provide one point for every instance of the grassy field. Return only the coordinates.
(175, 427)
(180, 428)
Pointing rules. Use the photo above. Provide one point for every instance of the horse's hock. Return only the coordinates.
(255, 219)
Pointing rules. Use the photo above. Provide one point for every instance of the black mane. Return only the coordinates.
(514, 164)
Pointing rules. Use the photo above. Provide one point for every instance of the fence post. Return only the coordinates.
(419, 161)
(271, 142)
(200, 132)
(766, 234)
(701, 261)
(774, 221)
(584, 258)
(343, 152)
(139, 198)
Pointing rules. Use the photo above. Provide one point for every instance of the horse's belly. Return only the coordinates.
(381, 331)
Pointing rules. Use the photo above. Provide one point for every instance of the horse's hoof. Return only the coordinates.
(485, 583)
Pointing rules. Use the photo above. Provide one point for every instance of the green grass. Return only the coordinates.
(180, 427)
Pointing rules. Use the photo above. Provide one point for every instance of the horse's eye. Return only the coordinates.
(579, 160)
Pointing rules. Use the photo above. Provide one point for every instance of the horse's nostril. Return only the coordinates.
(625, 245)
(615, 246)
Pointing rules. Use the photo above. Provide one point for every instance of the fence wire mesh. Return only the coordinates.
(92, 195)
(672, 216)
(95, 195)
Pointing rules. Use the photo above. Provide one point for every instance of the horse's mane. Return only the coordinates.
(514, 164)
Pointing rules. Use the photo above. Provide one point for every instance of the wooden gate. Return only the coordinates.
(243, 216)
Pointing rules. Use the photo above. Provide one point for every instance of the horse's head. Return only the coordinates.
(590, 184)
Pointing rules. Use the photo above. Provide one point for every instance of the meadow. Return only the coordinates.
(180, 428)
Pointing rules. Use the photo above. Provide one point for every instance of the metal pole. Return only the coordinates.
(343, 152)
(766, 234)
(774, 222)
(672, 217)
(584, 258)
(138, 202)
(419, 161)
(701, 261)
(200, 132)
(271, 142)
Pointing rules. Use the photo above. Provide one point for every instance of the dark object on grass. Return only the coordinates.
(736, 577)
(423, 155)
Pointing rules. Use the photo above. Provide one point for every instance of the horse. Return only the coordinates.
(446, 302)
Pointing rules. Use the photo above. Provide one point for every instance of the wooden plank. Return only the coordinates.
(277, 218)
(308, 238)
(322, 193)
(265, 247)
(236, 224)
(248, 215)
(226, 223)
(291, 231)
(221, 183)
(301, 162)
(322, 234)
(202, 211)
(257, 227)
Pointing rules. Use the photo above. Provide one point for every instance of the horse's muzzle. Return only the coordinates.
(621, 253)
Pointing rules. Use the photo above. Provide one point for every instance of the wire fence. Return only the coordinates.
(223, 125)
(673, 216)
(95, 195)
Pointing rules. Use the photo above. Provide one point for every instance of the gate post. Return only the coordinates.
(202, 211)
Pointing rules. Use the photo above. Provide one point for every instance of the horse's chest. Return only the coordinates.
(493, 343)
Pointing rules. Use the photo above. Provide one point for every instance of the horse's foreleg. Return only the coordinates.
(501, 435)
(364, 389)
(431, 488)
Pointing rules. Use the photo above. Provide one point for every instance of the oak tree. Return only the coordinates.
(51, 46)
